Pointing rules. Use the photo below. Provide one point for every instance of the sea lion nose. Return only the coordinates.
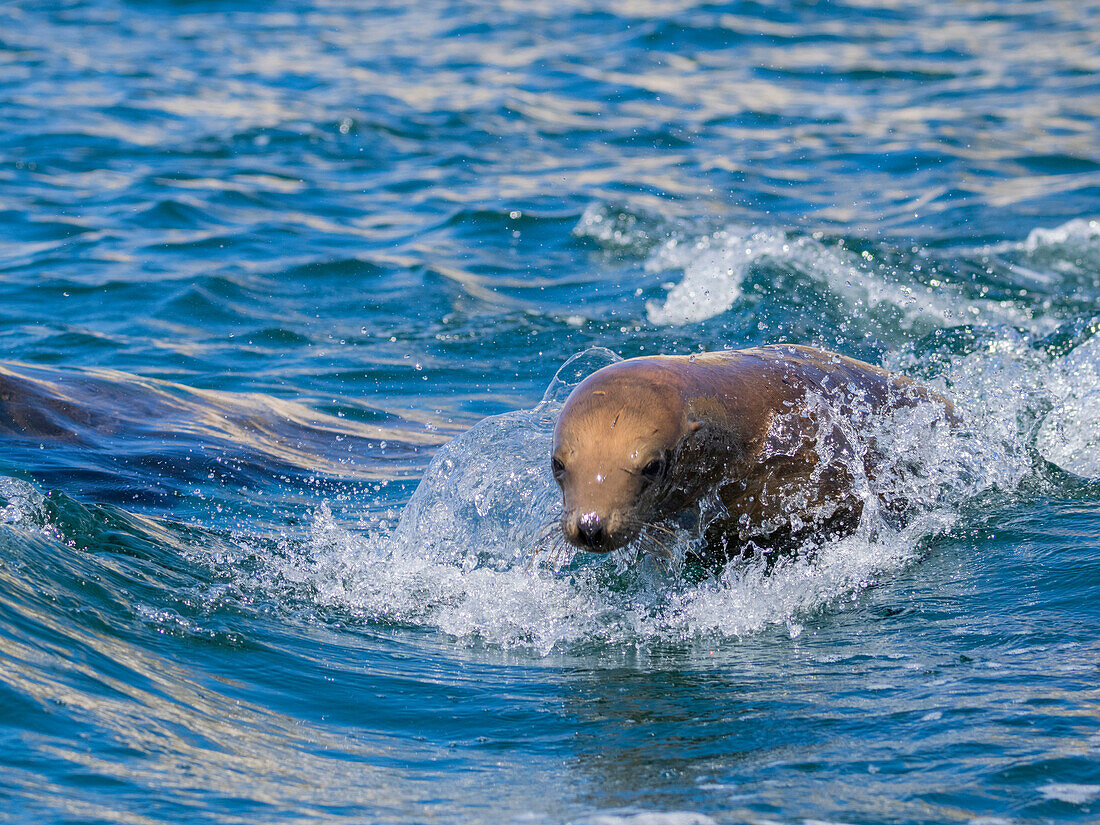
(590, 529)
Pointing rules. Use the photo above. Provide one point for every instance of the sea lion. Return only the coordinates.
(769, 437)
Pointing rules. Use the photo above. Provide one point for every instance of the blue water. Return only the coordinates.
(259, 263)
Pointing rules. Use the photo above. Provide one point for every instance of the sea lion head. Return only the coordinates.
(614, 448)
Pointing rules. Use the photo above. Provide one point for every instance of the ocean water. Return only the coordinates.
(290, 294)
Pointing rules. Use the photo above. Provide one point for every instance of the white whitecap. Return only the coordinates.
(618, 227)
(1076, 231)
(1070, 792)
(714, 267)
(1063, 261)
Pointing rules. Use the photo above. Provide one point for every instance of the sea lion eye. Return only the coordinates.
(652, 469)
(557, 468)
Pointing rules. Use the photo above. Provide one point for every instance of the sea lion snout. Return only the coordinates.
(586, 530)
(606, 513)
(600, 504)
(596, 532)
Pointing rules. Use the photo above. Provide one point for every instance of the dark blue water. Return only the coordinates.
(258, 263)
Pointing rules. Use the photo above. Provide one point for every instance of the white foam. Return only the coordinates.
(714, 268)
(1061, 262)
(1076, 231)
(1070, 792)
(715, 265)
(615, 226)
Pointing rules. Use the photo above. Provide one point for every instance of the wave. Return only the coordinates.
(812, 286)
(116, 437)
(459, 557)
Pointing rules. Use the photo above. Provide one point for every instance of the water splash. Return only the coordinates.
(23, 505)
(488, 492)
(1069, 435)
(1059, 266)
(459, 558)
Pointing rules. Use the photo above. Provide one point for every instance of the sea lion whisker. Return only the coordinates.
(533, 555)
(541, 542)
(648, 527)
(557, 549)
(563, 554)
(655, 547)
(661, 528)
(546, 527)
(658, 551)
(545, 541)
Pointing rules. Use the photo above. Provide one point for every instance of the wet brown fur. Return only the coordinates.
(736, 424)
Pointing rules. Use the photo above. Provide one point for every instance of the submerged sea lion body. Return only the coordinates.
(765, 434)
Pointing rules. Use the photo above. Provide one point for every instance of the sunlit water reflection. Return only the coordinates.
(284, 292)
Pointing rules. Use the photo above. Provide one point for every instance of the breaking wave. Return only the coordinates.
(459, 557)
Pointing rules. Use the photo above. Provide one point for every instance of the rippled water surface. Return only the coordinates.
(285, 290)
